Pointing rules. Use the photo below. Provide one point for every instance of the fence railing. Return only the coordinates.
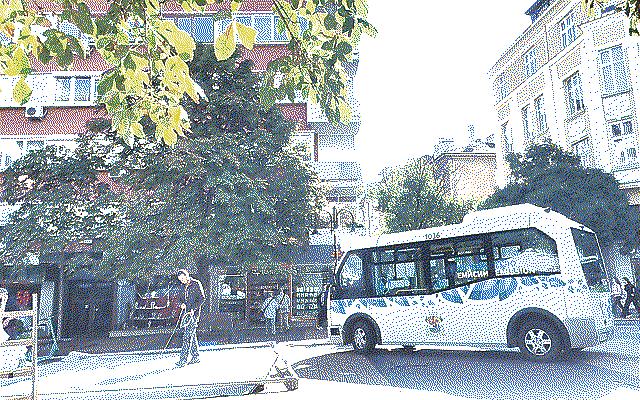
(32, 341)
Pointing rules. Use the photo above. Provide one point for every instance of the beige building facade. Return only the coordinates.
(468, 173)
(574, 79)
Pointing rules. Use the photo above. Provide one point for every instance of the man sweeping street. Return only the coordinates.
(192, 300)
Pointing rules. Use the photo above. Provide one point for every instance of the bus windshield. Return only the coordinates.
(591, 260)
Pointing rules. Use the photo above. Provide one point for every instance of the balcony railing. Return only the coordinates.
(625, 166)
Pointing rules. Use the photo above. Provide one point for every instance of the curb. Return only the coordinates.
(79, 354)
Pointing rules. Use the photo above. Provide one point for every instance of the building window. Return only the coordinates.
(202, 29)
(33, 145)
(525, 121)
(573, 90)
(628, 156)
(582, 149)
(613, 71)
(82, 89)
(501, 87)
(541, 117)
(266, 26)
(568, 29)
(621, 128)
(63, 88)
(530, 64)
(78, 88)
(279, 35)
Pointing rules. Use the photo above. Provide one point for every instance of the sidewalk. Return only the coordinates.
(158, 341)
(222, 371)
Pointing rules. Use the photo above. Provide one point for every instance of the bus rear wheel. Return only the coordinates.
(539, 340)
(363, 337)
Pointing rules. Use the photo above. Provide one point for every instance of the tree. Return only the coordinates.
(232, 191)
(150, 77)
(547, 176)
(410, 199)
(631, 9)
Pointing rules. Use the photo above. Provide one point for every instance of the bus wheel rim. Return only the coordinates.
(360, 338)
(538, 342)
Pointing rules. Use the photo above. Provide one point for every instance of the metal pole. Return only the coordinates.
(34, 347)
(369, 218)
(334, 223)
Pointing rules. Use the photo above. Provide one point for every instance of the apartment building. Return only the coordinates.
(63, 101)
(466, 173)
(573, 79)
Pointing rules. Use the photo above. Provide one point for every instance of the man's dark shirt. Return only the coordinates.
(193, 297)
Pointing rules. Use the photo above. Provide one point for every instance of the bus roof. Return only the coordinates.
(476, 222)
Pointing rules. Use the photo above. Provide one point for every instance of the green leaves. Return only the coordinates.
(319, 54)
(548, 176)
(631, 8)
(410, 198)
(82, 19)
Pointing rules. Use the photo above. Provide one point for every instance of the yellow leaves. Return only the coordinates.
(173, 125)
(361, 8)
(136, 130)
(18, 64)
(21, 91)
(345, 111)
(225, 44)
(589, 6)
(180, 40)
(310, 7)
(177, 79)
(135, 81)
(247, 35)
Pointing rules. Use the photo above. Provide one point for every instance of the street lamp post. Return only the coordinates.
(335, 215)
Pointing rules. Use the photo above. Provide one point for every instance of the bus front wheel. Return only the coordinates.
(539, 340)
(363, 337)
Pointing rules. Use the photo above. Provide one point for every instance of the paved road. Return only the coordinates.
(589, 374)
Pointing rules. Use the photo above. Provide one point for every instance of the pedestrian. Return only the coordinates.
(630, 289)
(269, 310)
(284, 307)
(617, 296)
(192, 300)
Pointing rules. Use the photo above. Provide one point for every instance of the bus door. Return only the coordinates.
(434, 311)
(454, 268)
(398, 276)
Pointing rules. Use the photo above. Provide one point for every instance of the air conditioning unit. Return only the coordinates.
(35, 112)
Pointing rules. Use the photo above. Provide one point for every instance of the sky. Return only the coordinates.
(425, 75)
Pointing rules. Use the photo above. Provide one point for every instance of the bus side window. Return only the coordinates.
(439, 279)
(352, 276)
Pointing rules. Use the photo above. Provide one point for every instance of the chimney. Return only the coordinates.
(471, 130)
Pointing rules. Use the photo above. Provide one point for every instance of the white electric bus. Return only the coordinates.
(518, 276)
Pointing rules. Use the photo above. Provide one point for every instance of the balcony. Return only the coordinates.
(629, 165)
